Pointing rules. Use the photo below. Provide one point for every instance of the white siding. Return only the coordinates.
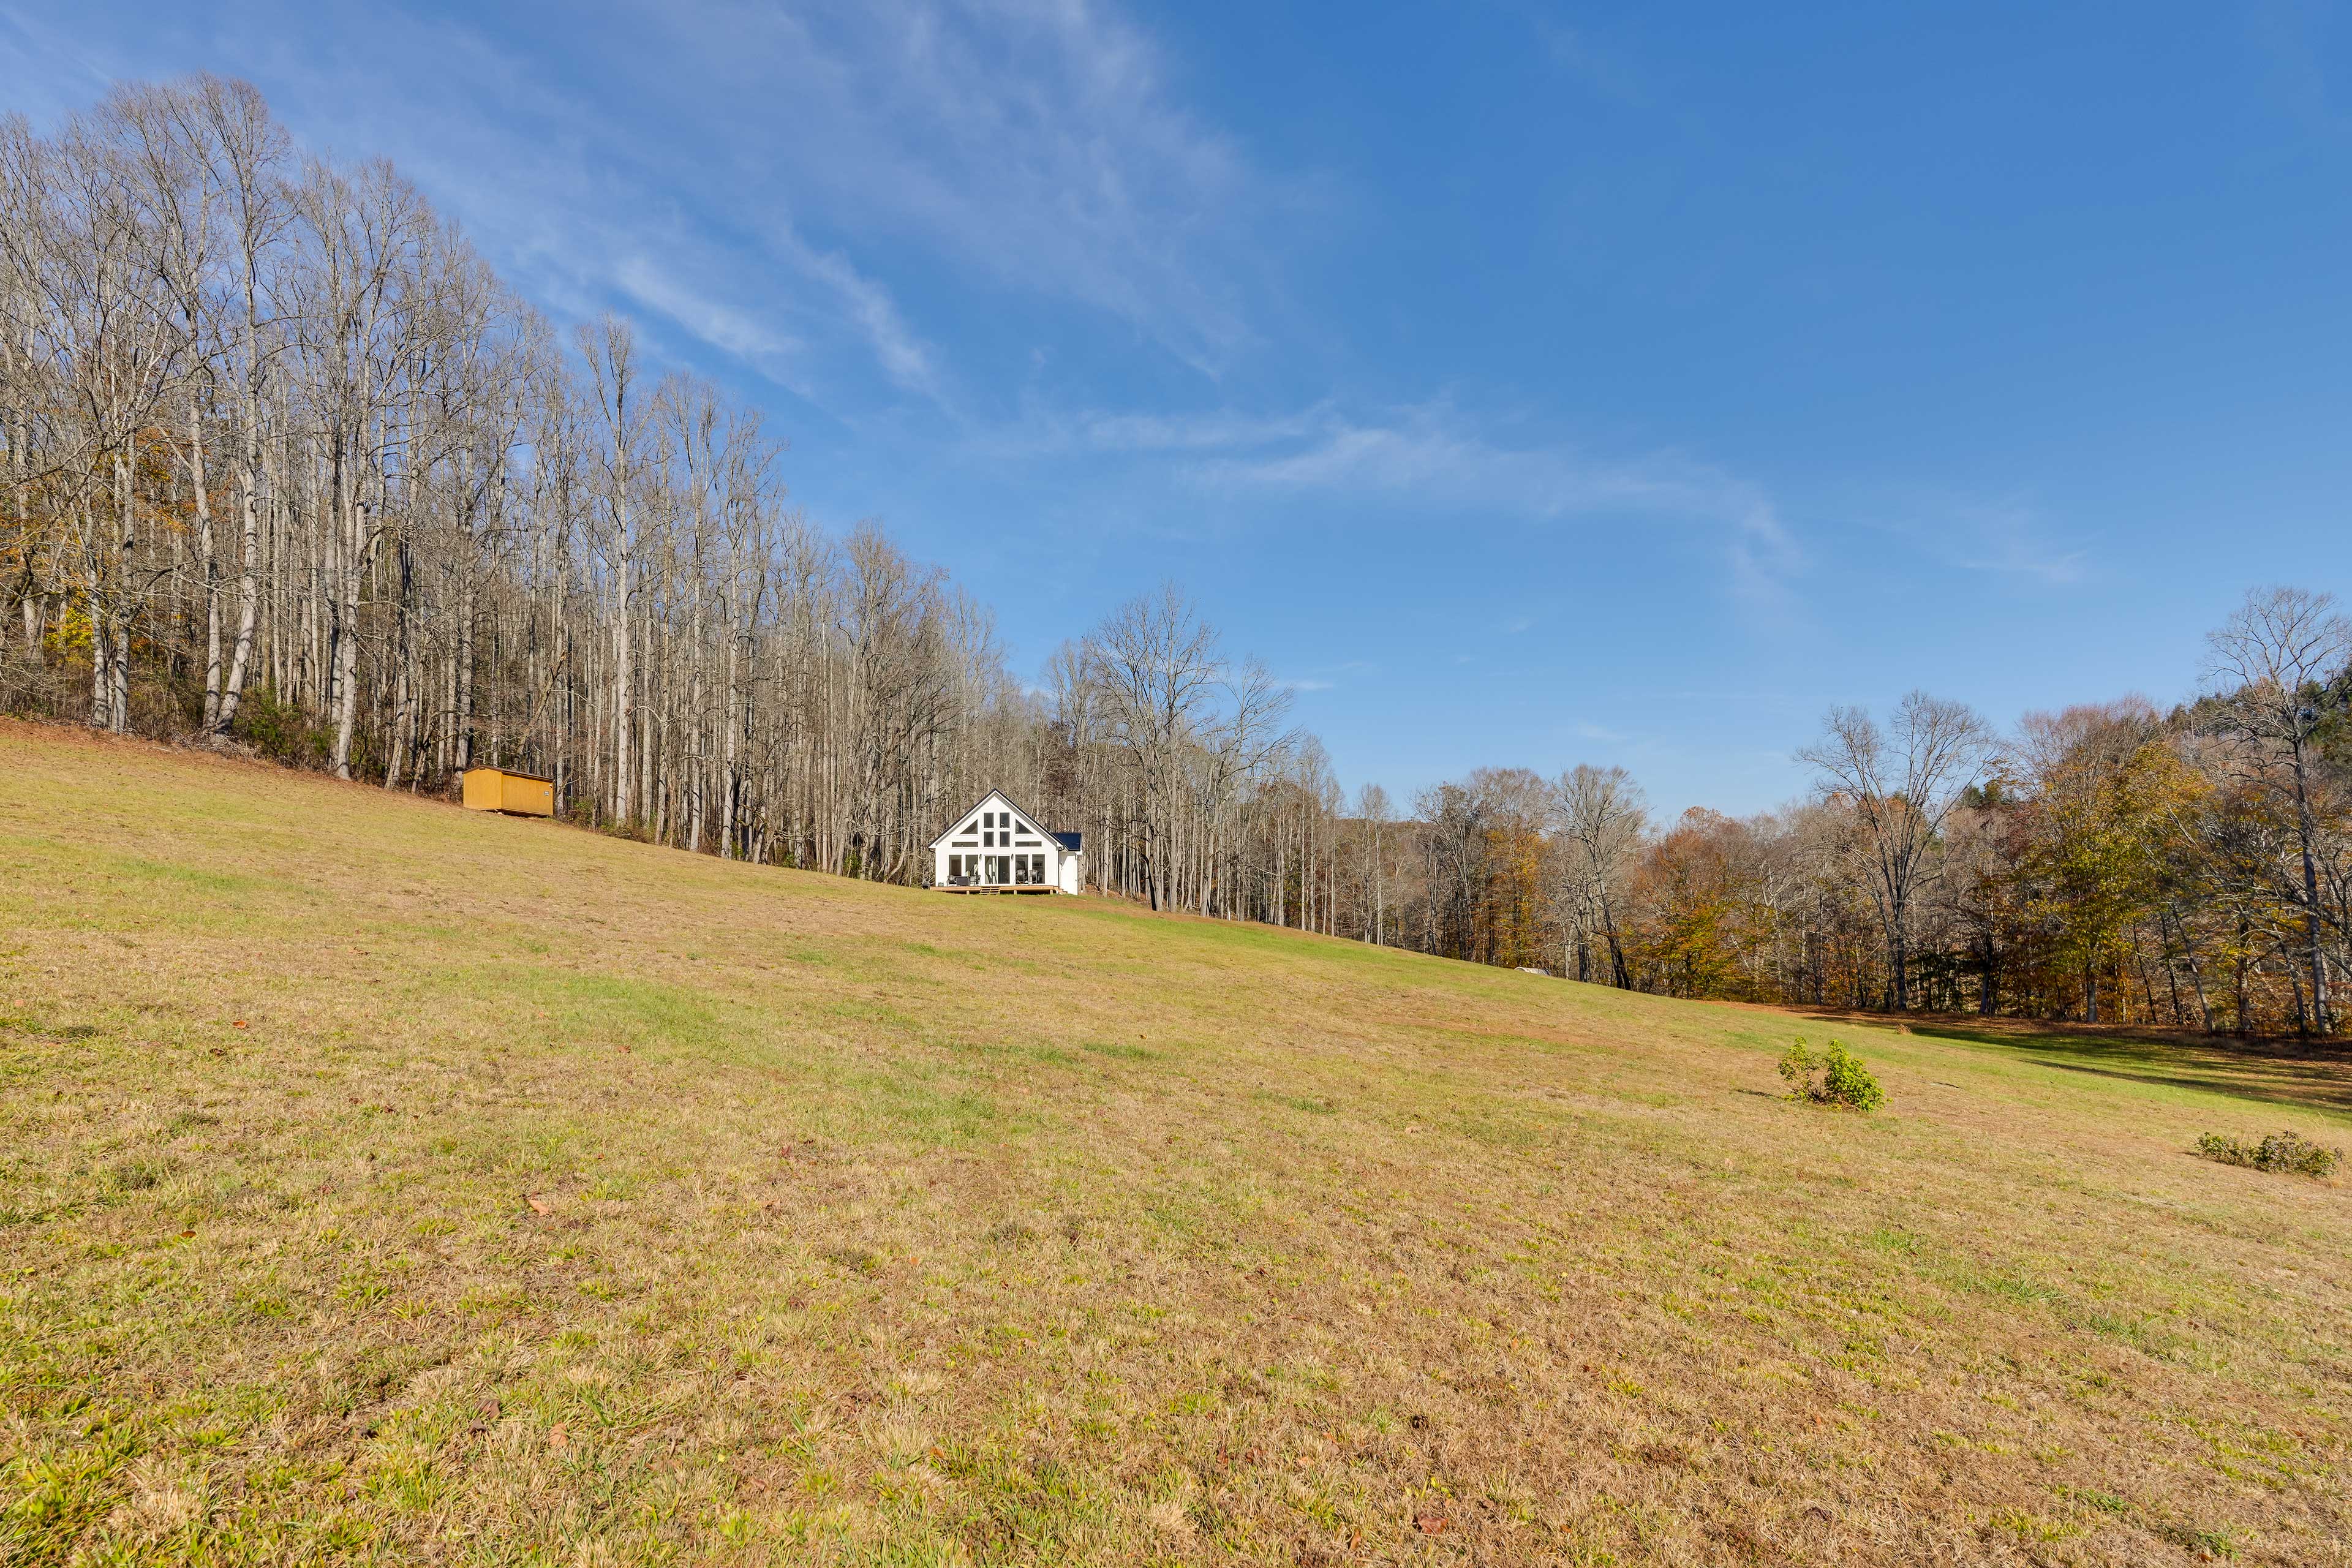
(998, 845)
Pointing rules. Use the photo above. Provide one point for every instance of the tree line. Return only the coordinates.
(2108, 862)
(287, 467)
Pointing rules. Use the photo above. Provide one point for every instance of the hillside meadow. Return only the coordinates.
(382, 1183)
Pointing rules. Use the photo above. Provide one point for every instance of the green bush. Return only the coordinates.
(1843, 1079)
(280, 730)
(2289, 1153)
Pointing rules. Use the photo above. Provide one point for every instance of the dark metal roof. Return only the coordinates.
(1072, 842)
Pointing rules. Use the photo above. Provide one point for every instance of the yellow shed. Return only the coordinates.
(503, 789)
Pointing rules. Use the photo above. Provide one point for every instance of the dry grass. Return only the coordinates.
(383, 1183)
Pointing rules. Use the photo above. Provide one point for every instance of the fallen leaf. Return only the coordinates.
(536, 1207)
(240, 1024)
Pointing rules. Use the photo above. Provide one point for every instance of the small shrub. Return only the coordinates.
(2288, 1153)
(280, 730)
(1842, 1080)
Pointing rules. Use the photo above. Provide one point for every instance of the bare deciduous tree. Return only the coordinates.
(1901, 782)
(2270, 664)
(1376, 819)
(1156, 664)
(1600, 812)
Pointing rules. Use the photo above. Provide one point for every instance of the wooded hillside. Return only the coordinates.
(287, 467)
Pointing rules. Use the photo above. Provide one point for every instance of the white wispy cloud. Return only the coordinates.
(782, 182)
(1434, 455)
(903, 357)
(50, 69)
(1437, 457)
(2014, 545)
(1577, 53)
(747, 337)
(1038, 141)
(2290, 43)
(1055, 432)
(2008, 538)
(1213, 432)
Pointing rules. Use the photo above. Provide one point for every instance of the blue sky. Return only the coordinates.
(1528, 385)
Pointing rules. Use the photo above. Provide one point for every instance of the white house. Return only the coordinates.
(997, 847)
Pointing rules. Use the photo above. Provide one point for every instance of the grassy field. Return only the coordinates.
(383, 1183)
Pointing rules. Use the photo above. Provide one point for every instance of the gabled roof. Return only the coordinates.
(955, 823)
